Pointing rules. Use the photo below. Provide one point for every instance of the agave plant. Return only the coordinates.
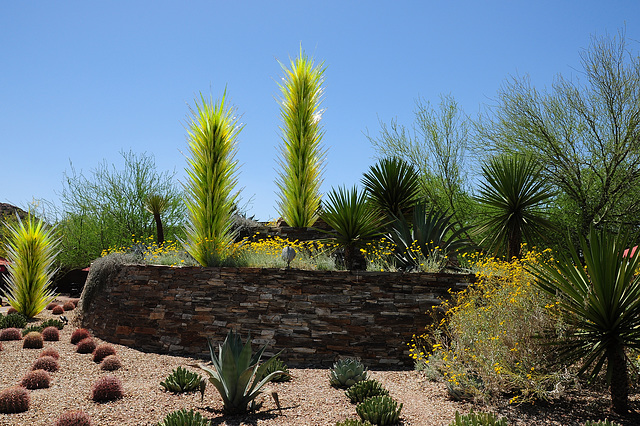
(301, 152)
(237, 373)
(210, 199)
(32, 250)
(347, 372)
(353, 220)
(601, 303)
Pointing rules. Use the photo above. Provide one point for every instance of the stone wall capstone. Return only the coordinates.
(314, 317)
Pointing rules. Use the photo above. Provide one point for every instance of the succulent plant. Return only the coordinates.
(51, 305)
(36, 379)
(79, 334)
(478, 419)
(185, 418)
(277, 365)
(353, 422)
(32, 328)
(605, 422)
(365, 389)
(14, 400)
(73, 418)
(51, 322)
(379, 410)
(107, 388)
(47, 363)
(12, 310)
(111, 363)
(347, 372)
(102, 351)
(13, 320)
(52, 352)
(33, 340)
(11, 333)
(51, 334)
(86, 346)
(58, 310)
(69, 306)
(182, 380)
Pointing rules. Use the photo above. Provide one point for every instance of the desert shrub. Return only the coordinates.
(86, 346)
(365, 389)
(79, 334)
(33, 340)
(102, 351)
(379, 410)
(36, 379)
(73, 418)
(346, 372)
(478, 419)
(51, 334)
(52, 352)
(30, 329)
(13, 320)
(14, 400)
(52, 323)
(184, 418)
(10, 334)
(51, 305)
(277, 365)
(485, 345)
(47, 363)
(182, 380)
(58, 310)
(69, 306)
(111, 363)
(107, 388)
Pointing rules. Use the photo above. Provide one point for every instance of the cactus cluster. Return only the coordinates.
(36, 379)
(47, 363)
(102, 351)
(347, 372)
(33, 340)
(107, 388)
(86, 346)
(379, 410)
(73, 418)
(182, 380)
(478, 419)
(184, 418)
(78, 335)
(11, 333)
(111, 363)
(51, 334)
(365, 389)
(14, 400)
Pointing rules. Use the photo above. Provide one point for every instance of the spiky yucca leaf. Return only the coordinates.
(32, 250)
(213, 132)
(392, 186)
(301, 152)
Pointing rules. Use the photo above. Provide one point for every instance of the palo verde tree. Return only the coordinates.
(585, 131)
(301, 152)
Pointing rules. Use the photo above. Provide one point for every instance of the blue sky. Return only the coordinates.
(82, 81)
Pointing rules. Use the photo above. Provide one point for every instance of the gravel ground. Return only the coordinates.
(306, 400)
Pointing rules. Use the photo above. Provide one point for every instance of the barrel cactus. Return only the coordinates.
(347, 372)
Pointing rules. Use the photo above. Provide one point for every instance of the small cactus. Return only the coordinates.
(52, 352)
(12, 310)
(102, 351)
(51, 334)
(33, 340)
(51, 305)
(352, 422)
(184, 418)
(58, 310)
(86, 346)
(73, 418)
(36, 379)
(347, 372)
(47, 363)
(107, 388)
(11, 333)
(69, 306)
(78, 335)
(111, 363)
(14, 400)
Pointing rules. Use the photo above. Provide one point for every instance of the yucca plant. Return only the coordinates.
(237, 373)
(301, 152)
(353, 219)
(514, 193)
(211, 171)
(600, 301)
(32, 249)
(156, 204)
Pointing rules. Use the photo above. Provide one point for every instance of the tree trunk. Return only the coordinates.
(619, 380)
(160, 231)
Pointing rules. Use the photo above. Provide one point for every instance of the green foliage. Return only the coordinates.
(605, 422)
(365, 389)
(380, 410)
(392, 186)
(32, 250)
(52, 323)
(237, 372)
(601, 302)
(352, 422)
(277, 365)
(478, 419)
(182, 380)
(346, 372)
(514, 193)
(301, 152)
(36, 328)
(353, 219)
(210, 198)
(184, 418)
(14, 320)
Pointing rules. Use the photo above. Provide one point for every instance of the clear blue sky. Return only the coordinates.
(81, 81)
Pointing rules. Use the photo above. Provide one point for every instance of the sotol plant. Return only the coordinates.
(380, 410)
(347, 372)
(185, 418)
(182, 380)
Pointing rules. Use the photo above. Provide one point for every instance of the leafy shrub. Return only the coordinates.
(47, 363)
(478, 419)
(73, 418)
(13, 320)
(605, 422)
(51, 305)
(36, 379)
(184, 418)
(69, 306)
(102, 351)
(352, 422)
(365, 389)
(379, 410)
(346, 372)
(182, 380)
(52, 352)
(14, 400)
(31, 329)
(107, 388)
(277, 365)
(111, 363)
(51, 334)
(79, 334)
(10, 334)
(58, 310)
(52, 323)
(33, 340)
(86, 346)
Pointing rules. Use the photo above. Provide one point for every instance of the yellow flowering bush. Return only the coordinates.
(489, 341)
